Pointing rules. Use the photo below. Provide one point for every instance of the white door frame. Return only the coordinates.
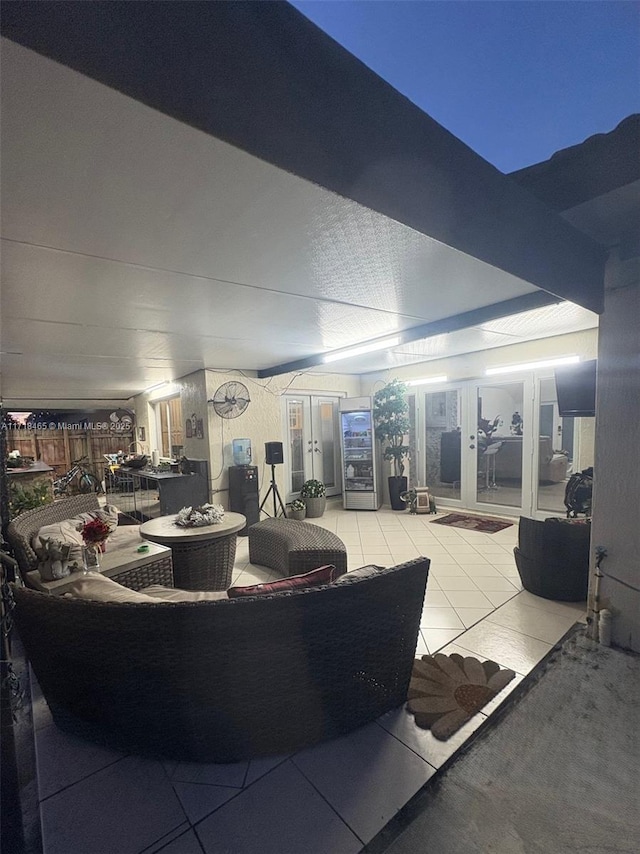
(471, 496)
(468, 395)
(311, 438)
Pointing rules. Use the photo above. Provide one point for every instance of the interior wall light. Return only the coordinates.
(427, 381)
(532, 366)
(386, 344)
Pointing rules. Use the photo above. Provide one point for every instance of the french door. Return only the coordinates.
(312, 448)
(501, 446)
(477, 445)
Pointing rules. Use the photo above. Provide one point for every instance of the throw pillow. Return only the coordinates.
(321, 575)
(107, 514)
(361, 572)
(99, 588)
(173, 594)
(68, 530)
(64, 532)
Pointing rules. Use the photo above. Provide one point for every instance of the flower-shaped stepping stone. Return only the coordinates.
(447, 690)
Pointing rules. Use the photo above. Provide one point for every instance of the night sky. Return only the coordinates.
(515, 80)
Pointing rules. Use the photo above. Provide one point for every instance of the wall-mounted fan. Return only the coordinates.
(231, 399)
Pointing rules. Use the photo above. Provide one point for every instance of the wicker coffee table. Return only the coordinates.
(202, 557)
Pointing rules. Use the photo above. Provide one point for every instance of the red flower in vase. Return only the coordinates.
(95, 532)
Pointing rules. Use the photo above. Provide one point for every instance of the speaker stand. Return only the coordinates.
(277, 500)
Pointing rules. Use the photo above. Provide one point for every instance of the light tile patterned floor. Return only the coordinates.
(332, 798)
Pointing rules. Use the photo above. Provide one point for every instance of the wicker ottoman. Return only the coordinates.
(294, 547)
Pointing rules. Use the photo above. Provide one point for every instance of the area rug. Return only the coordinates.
(553, 771)
(447, 690)
(484, 524)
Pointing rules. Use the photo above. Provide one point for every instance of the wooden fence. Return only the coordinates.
(58, 448)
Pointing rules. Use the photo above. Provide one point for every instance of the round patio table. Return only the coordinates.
(202, 557)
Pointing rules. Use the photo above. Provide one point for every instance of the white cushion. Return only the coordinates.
(99, 588)
(173, 594)
(67, 531)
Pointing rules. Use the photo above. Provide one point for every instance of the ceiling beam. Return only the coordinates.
(517, 305)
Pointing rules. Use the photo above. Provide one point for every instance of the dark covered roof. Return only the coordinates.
(602, 163)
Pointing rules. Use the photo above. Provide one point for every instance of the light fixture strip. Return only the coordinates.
(532, 366)
(427, 381)
(387, 343)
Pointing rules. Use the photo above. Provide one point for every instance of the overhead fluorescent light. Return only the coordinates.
(428, 380)
(532, 366)
(154, 387)
(387, 343)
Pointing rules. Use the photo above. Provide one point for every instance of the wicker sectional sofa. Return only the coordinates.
(220, 681)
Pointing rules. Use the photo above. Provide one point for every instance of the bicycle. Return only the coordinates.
(88, 482)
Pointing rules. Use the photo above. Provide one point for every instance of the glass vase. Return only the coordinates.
(91, 558)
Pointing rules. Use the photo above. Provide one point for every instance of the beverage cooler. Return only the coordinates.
(360, 460)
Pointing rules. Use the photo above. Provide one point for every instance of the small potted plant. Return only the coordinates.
(298, 509)
(314, 496)
(15, 460)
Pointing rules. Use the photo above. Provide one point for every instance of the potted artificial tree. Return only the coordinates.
(314, 496)
(391, 418)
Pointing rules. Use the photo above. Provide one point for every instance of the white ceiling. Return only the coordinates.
(137, 249)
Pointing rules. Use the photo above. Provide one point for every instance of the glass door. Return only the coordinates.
(565, 446)
(477, 447)
(325, 443)
(499, 439)
(501, 446)
(295, 409)
(312, 449)
(358, 438)
(443, 442)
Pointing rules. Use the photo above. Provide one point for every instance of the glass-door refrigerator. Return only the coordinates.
(360, 470)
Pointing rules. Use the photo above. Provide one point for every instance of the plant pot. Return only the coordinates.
(315, 506)
(297, 514)
(397, 485)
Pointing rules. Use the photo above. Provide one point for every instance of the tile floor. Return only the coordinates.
(332, 798)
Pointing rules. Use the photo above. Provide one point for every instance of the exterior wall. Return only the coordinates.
(617, 456)
(586, 446)
(261, 422)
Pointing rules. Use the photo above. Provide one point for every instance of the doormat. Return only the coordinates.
(484, 524)
(447, 690)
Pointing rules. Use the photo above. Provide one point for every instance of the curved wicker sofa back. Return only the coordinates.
(227, 680)
(21, 530)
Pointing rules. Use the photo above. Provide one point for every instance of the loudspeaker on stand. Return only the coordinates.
(274, 453)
